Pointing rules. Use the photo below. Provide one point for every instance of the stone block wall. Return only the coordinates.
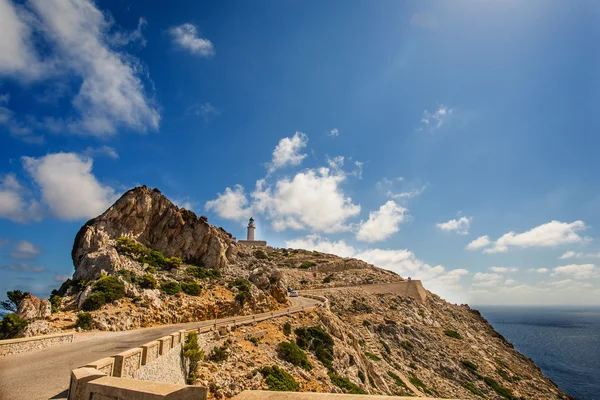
(22, 345)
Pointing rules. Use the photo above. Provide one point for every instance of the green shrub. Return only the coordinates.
(504, 375)
(361, 376)
(470, 387)
(192, 353)
(94, 302)
(219, 353)
(171, 288)
(173, 262)
(150, 269)
(128, 275)
(366, 323)
(287, 329)
(110, 287)
(452, 334)
(385, 346)
(360, 306)
(148, 282)
(307, 264)
(243, 286)
(419, 384)
(471, 366)
(318, 341)
(501, 390)
(405, 389)
(406, 345)
(261, 254)
(279, 380)
(290, 352)
(372, 356)
(191, 288)
(346, 384)
(203, 273)
(328, 278)
(55, 301)
(11, 325)
(84, 321)
(14, 299)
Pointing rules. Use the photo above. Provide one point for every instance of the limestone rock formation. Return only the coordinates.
(32, 308)
(150, 218)
(270, 279)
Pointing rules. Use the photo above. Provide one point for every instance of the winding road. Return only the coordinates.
(44, 374)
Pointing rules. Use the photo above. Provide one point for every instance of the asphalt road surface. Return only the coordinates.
(44, 374)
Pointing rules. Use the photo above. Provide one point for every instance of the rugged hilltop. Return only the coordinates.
(146, 261)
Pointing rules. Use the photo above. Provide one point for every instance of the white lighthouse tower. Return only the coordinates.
(251, 228)
(250, 239)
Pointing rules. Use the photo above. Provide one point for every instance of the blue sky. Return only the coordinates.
(453, 142)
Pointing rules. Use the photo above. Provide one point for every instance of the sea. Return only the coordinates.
(563, 341)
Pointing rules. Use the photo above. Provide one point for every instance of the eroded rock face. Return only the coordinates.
(270, 279)
(147, 216)
(32, 308)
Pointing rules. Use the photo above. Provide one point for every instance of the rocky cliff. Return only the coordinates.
(145, 215)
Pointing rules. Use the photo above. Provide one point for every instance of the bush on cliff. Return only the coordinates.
(191, 288)
(14, 299)
(138, 252)
(171, 288)
(203, 272)
(148, 282)
(290, 352)
(452, 334)
(318, 341)
(94, 302)
(11, 325)
(84, 321)
(346, 384)
(307, 264)
(55, 301)
(287, 329)
(279, 380)
(243, 287)
(192, 353)
(261, 254)
(111, 287)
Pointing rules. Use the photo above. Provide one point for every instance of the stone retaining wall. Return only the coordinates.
(22, 345)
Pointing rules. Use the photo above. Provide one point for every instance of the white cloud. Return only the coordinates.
(434, 120)
(317, 243)
(312, 199)
(101, 151)
(478, 243)
(573, 254)
(553, 233)
(334, 132)
(577, 271)
(509, 282)
(382, 223)
(15, 201)
(25, 250)
(288, 151)
(68, 186)
(407, 195)
(502, 270)
(4, 98)
(124, 38)
(111, 94)
(204, 110)
(460, 226)
(232, 204)
(542, 270)
(185, 36)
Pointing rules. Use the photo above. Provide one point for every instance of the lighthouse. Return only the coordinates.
(250, 239)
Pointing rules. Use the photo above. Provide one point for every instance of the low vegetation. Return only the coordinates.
(106, 290)
(328, 278)
(372, 356)
(287, 329)
(244, 290)
(55, 301)
(279, 380)
(138, 252)
(292, 353)
(171, 288)
(316, 340)
(399, 382)
(346, 384)
(452, 334)
(419, 384)
(220, 353)
(191, 288)
(307, 264)
(148, 282)
(498, 388)
(85, 321)
(11, 325)
(14, 299)
(261, 254)
(203, 272)
(193, 354)
(471, 388)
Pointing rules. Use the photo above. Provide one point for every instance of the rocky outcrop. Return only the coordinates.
(32, 308)
(270, 279)
(147, 216)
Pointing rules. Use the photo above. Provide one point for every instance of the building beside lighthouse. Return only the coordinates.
(250, 240)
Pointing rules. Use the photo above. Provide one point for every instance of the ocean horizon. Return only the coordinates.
(564, 341)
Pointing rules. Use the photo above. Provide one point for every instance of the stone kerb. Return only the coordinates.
(166, 343)
(22, 345)
(150, 351)
(104, 365)
(127, 362)
(126, 389)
